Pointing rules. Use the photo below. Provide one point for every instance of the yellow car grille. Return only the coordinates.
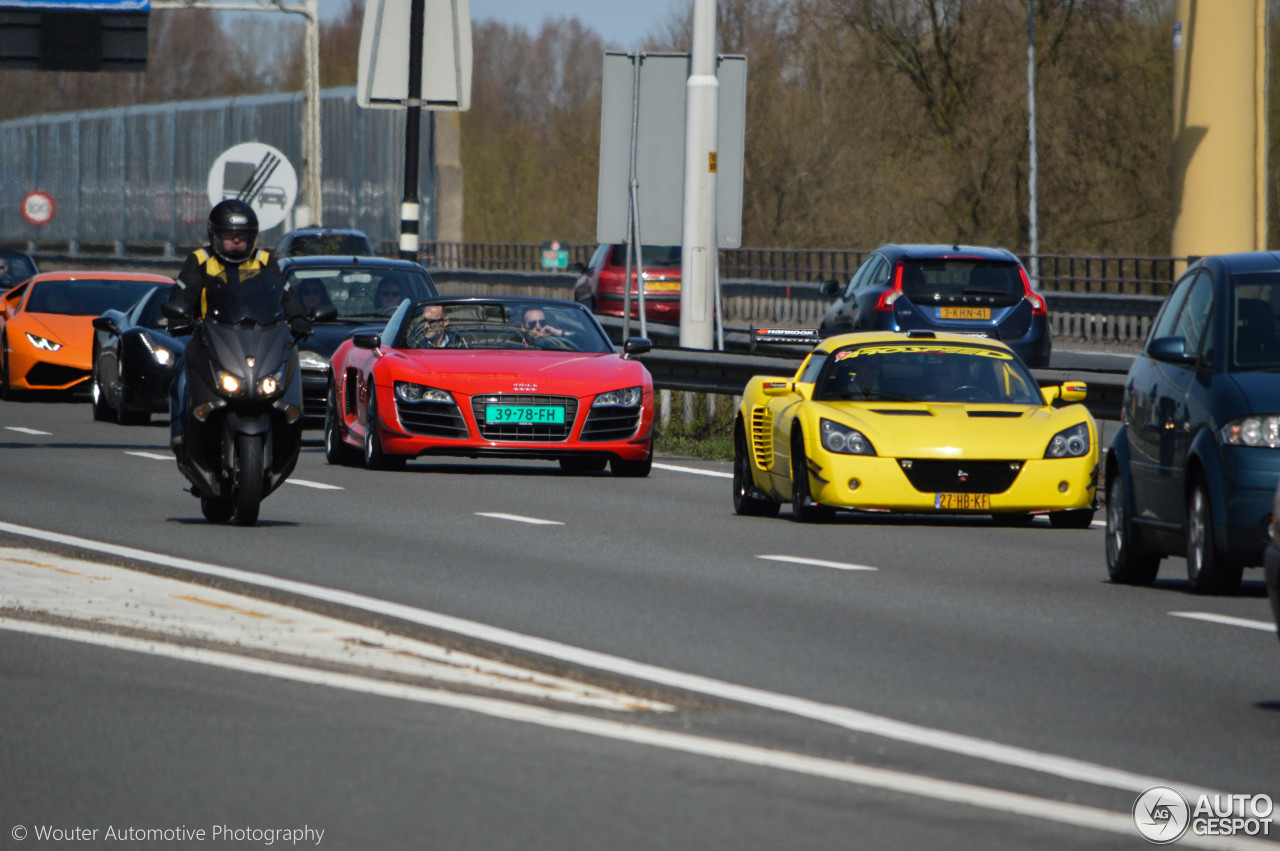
(762, 437)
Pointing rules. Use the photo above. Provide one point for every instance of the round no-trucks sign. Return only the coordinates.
(257, 173)
(38, 207)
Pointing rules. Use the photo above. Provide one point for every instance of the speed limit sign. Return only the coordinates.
(38, 207)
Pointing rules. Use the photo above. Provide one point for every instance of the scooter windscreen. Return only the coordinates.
(255, 302)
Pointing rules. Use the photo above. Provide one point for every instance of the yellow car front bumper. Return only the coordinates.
(879, 484)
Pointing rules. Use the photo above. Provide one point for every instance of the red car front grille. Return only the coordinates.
(525, 432)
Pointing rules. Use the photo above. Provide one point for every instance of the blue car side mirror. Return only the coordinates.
(1170, 350)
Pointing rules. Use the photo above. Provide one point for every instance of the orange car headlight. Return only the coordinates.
(43, 343)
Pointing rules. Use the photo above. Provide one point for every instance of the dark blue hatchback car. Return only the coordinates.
(1195, 464)
(963, 289)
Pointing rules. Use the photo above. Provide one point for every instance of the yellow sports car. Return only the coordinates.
(917, 422)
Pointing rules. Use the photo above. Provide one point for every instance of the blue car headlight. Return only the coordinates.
(1069, 443)
(628, 398)
(1261, 430)
(843, 440)
(409, 392)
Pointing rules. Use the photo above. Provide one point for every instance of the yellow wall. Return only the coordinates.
(1219, 127)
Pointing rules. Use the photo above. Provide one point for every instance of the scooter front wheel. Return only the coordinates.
(216, 510)
(249, 478)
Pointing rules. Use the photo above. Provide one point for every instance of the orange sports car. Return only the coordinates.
(46, 326)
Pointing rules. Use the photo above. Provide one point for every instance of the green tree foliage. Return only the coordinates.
(867, 120)
(531, 140)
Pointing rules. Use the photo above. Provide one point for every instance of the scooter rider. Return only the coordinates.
(214, 278)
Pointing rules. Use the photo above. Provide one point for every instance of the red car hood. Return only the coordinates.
(571, 373)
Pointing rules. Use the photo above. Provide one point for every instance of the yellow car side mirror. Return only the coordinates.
(1068, 391)
(1073, 391)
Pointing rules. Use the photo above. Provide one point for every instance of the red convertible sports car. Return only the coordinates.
(491, 377)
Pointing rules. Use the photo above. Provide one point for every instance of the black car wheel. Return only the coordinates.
(1126, 563)
(6, 391)
(583, 464)
(101, 410)
(1207, 571)
(336, 450)
(374, 457)
(625, 469)
(803, 507)
(1075, 518)
(746, 499)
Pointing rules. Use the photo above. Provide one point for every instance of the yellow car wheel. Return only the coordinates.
(747, 500)
(803, 507)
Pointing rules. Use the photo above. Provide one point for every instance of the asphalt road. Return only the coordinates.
(979, 687)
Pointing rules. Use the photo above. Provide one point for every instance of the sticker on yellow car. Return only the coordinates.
(923, 349)
(962, 501)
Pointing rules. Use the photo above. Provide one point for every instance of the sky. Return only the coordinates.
(621, 23)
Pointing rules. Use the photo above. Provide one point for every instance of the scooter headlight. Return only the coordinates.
(229, 384)
(272, 384)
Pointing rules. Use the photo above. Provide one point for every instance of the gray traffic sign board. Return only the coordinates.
(660, 132)
(383, 72)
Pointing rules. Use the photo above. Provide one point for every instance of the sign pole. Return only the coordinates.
(409, 207)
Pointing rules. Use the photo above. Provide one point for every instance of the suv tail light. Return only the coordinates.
(1038, 307)
(886, 300)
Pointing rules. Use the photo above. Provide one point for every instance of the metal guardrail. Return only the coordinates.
(797, 304)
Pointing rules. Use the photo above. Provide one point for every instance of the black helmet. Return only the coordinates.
(233, 216)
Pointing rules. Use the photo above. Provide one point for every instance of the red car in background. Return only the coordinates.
(497, 377)
(600, 282)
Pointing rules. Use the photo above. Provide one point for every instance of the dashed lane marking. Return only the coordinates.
(1226, 620)
(518, 518)
(818, 562)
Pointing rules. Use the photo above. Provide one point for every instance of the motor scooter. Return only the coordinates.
(243, 405)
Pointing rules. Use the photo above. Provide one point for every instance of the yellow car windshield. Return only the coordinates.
(912, 372)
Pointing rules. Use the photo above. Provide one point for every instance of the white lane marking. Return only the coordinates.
(839, 716)
(300, 482)
(28, 430)
(76, 591)
(1226, 619)
(318, 485)
(152, 455)
(694, 470)
(879, 778)
(518, 518)
(1098, 524)
(817, 562)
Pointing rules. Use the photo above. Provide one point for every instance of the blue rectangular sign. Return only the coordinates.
(79, 5)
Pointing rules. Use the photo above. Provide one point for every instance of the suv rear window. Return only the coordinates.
(955, 281)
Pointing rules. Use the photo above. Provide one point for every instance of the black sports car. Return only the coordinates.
(365, 291)
(134, 361)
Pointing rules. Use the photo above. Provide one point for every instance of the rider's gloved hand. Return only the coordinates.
(300, 327)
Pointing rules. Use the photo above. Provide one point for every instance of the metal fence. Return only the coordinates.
(1067, 273)
(135, 179)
